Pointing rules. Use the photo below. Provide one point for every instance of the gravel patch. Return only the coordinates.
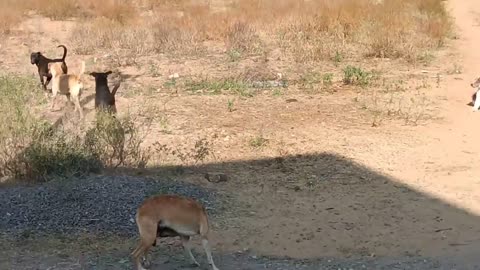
(177, 260)
(97, 204)
(404, 263)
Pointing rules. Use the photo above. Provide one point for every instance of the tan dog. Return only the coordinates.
(66, 84)
(170, 216)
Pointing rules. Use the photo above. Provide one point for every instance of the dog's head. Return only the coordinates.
(476, 83)
(35, 57)
(100, 75)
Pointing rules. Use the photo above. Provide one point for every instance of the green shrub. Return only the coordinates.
(356, 76)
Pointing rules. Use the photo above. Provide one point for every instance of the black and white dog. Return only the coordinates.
(476, 96)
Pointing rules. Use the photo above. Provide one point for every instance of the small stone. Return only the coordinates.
(216, 177)
(174, 76)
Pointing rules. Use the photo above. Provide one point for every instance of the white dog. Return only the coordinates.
(476, 96)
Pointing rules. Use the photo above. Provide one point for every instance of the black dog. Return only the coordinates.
(37, 58)
(104, 99)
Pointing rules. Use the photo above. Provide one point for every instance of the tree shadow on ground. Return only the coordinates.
(316, 207)
(326, 204)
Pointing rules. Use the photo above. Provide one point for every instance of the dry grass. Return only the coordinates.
(13, 11)
(9, 16)
(307, 31)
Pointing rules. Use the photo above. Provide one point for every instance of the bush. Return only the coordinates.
(32, 149)
(54, 154)
(242, 38)
(115, 142)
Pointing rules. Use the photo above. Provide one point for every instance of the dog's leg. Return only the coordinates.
(188, 249)
(206, 247)
(42, 81)
(476, 105)
(45, 90)
(70, 100)
(78, 106)
(47, 82)
(54, 99)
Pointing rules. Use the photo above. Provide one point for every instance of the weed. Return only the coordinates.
(327, 80)
(277, 92)
(310, 80)
(455, 69)
(230, 105)
(217, 86)
(154, 70)
(258, 141)
(337, 58)
(170, 83)
(412, 108)
(234, 55)
(356, 76)
(150, 90)
(201, 150)
(426, 58)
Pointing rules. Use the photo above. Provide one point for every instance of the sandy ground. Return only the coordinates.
(394, 197)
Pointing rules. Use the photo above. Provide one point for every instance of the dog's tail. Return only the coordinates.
(64, 51)
(115, 88)
(82, 69)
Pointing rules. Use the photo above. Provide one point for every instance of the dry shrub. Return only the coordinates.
(10, 15)
(307, 30)
(34, 150)
(116, 142)
(168, 37)
(105, 34)
(127, 41)
(12, 11)
(406, 29)
(242, 38)
(118, 11)
(55, 9)
(325, 29)
(394, 28)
